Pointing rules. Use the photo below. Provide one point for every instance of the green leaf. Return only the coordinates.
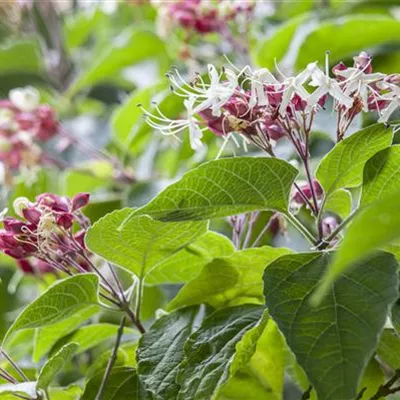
(340, 203)
(389, 348)
(274, 48)
(373, 228)
(48, 336)
(263, 377)
(22, 56)
(344, 37)
(72, 392)
(122, 384)
(25, 388)
(228, 280)
(88, 177)
(333, 341)
(62, 300)
(372, 379)
(131, 47)
(90, 336)
(343, 166)
(160, 351)
(188, 262)
(210, 351)
(225, 187)
(55, 364)
(142, 243)
(381, 176)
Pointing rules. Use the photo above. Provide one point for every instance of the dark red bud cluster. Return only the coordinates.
(44, 231)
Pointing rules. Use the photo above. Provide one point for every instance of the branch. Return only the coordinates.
(307, 394)
(112, 360)
(386, 389)
(301, 228)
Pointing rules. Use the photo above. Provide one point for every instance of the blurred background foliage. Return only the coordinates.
(95, 61)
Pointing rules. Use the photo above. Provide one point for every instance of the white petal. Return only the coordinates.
(316, 95)
(338, 95)
(26, 99)
(388, 111)
(195, 135)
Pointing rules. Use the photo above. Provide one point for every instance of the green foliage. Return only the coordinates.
(133, 46)
(210, 351)
(273, 49)
(55, 364)
(188, 262)
(161, 350)
(60, 301)
(225, 187)
(378, 225)
(345, 36)
(343, 166)
(140, 244)
(47, 337)
(230, 280)
(381, 176)
(337, 337)
(122, 385)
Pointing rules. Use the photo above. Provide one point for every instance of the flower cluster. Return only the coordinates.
(262, 108)
(24, 123)
(201, 16)
(44, 236)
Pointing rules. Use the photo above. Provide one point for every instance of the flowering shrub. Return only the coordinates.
(254, 258)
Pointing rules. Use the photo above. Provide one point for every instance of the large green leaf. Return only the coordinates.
(160, 351)
(55, 364)
(90, 336)
(373, 228)
(132, 47)
(62, 300)
(122, 384)
(48, 336)
(142, 243)
(187, 263)
(225, 187)
(343, 166)
(381, 176)
(230, 280)
(272, 49)
(345, 36)
(210, 351)
(333, 341)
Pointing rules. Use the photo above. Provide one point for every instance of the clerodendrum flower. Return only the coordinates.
(262, 107)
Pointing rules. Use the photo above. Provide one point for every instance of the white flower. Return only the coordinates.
(195, 133)
(3, 214)
(294, 85)
(171, 127)
(207, 95)
(327, 85)
(358, 81)
(258, 79)
(26, 99)
(394, 102)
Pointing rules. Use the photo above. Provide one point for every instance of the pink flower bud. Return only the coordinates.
(32, 215)
(80, 238)
(80, 200)
(65, 220)
(25, 266)
(13, 225)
